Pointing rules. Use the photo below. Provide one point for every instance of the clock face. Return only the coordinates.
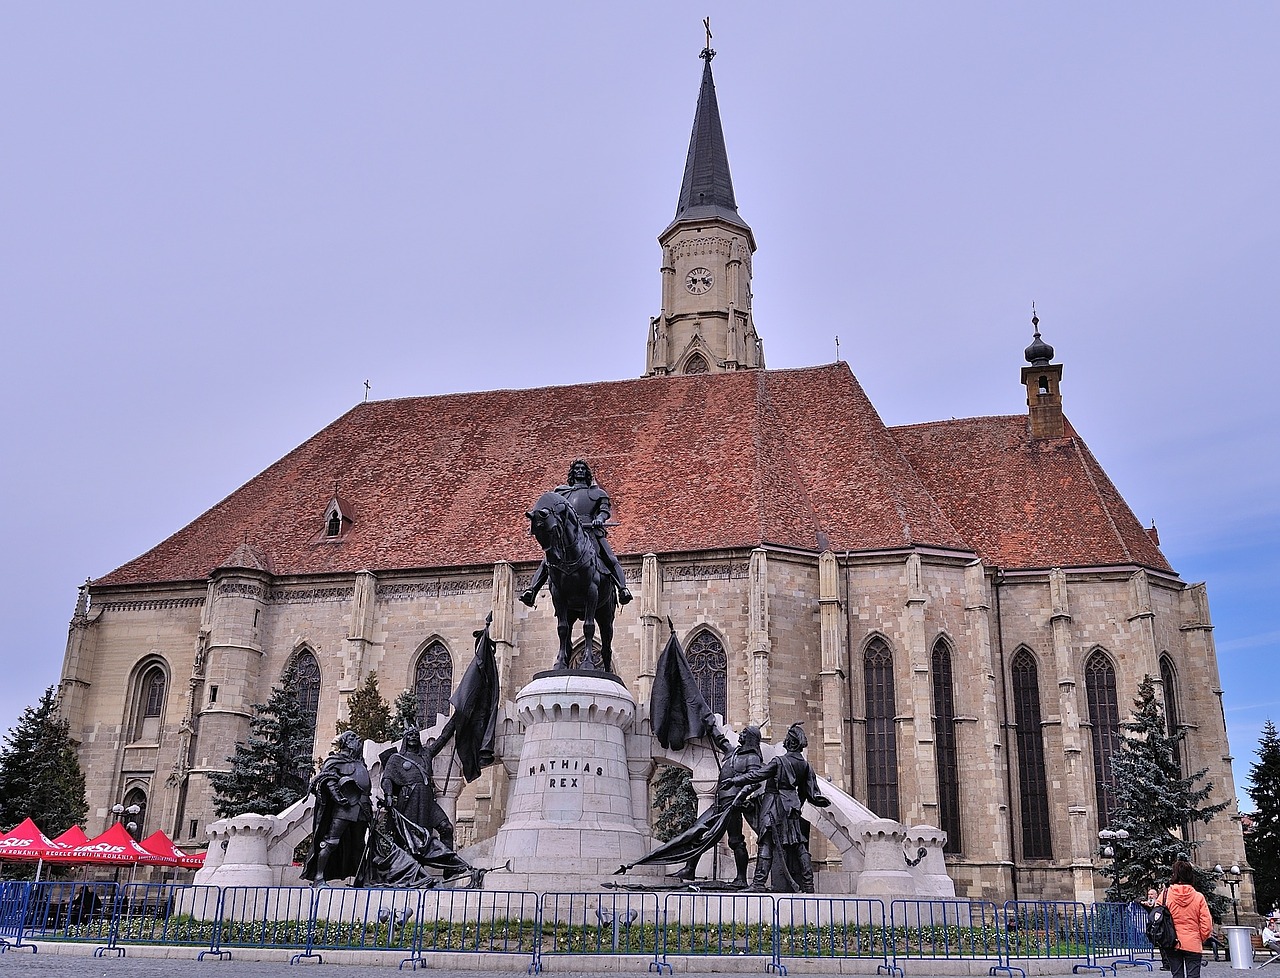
(698, 281)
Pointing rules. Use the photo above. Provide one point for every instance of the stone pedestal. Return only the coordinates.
(244, 861)
(931, 876)
(570, 819)
(885, 872)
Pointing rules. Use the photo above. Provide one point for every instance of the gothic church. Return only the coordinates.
(961, 611)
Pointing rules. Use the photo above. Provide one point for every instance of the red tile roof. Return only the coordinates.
(789, 457)
(1022, 503)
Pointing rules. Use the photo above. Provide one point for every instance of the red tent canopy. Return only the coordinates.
(115, 846)
(74, 836)
(162, 845)
(26, 841)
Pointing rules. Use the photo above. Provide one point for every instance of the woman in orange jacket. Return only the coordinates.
(1191, 919)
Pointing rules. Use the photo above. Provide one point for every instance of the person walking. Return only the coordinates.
(1153, 897)
(1191, 919)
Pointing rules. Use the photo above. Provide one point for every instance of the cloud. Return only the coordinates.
(1252, 706)
(1250, 642)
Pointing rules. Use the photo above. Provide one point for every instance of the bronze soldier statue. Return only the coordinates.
(784, 835)
(340, 820)
(743, 760)
(592, 505)
(409, 787)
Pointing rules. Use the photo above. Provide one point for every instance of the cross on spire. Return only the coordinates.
(707, 53)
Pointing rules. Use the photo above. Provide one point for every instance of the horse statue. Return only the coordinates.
(581, 588)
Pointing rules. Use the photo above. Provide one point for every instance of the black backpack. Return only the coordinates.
(1160, 930)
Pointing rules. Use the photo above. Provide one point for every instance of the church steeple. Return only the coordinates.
(707, 188)
(706, 323)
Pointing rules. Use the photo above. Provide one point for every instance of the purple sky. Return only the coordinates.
(217, 220)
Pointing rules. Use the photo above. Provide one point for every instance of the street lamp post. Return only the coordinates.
(1108, 841)
(1232, 881)
(120, 811)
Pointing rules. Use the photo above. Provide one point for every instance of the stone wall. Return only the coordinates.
(795, 628)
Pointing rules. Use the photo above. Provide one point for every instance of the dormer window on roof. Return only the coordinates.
(337, 518)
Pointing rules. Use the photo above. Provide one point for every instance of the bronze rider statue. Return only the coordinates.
(591, 504)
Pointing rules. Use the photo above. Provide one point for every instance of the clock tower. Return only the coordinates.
(705, 324)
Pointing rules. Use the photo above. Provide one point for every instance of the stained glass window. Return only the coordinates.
(1104, 714)
(944, 734)
(1033, 792)
(151, 689)
(306, 675)
(710, 666)
(433, 683)
(882, 744)
(1172, 716)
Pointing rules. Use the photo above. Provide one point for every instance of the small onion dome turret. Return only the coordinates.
(1039, 353)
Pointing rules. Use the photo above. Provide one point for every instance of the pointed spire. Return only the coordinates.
(707, 188)
(82, 601)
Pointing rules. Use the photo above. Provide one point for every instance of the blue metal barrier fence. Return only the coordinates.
(1119, 931)
(652, 926)
(264, 916)
(816, 926)
(1047, 930)
(14, 895)
(364, 919)
(719, 924)
(613, 922)
(946, 930)
(478, 922)
(173, 914)
(74, 912)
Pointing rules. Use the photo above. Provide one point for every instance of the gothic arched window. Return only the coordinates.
(1033, 792)
(306, 690)
(710, 667)
(696, 364)
(1172, 716)
(1173, 719)
(944, 739)
(1104, 714)
(149, 699)
(334, 527)
(432, 683)
(882, 743)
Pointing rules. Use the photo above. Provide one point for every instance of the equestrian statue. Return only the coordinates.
(587, 582)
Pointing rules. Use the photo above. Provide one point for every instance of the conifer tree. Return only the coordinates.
(40, 776)
(273, 769)
(406, 712)
(1153, 802)
(674, 801)
(1262, 845)
(368, 713)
